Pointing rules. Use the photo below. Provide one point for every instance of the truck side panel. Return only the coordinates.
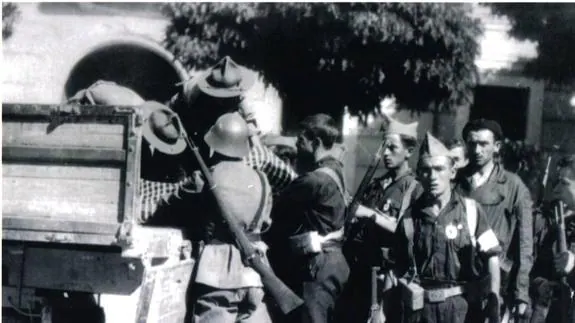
(68, 170)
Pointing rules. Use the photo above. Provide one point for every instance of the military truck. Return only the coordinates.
(70, 235)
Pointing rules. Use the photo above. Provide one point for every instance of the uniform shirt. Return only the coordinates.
(279, 175)
(312, 202)
(442, 246)
(385, 194)
(220, 265)
(508, 208)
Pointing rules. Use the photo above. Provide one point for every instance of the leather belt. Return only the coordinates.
(441, 294)
(253, 237)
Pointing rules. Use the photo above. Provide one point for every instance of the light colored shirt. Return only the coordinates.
(478, 179)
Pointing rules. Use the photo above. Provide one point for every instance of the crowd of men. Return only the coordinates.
(456, 240)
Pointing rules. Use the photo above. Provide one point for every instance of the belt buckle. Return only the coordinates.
(436, 296)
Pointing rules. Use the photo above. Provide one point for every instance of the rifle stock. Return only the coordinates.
(285, 298)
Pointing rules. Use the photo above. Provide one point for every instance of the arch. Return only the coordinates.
(132, 61)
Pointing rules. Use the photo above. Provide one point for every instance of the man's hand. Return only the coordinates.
(492, 309)
(520, 309)
(564, 263)
(364, 211)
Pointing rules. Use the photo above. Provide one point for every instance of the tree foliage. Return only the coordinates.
(324, 56)
(10, 14)
(552, 25)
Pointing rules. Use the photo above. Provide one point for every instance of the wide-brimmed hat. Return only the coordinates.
(161, 129)
(226, 79)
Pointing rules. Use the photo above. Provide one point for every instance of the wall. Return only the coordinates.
(51, 38)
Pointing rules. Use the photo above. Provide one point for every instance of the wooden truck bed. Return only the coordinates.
(69, 172)
(69, 206)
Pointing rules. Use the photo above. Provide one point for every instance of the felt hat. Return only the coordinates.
(161, 129)
(396, 127)
(226, 79)
(432, 147)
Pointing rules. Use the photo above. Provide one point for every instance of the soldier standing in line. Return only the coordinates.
(438, 240)
(550, 265)
(308, 217)
(508, 208)
(224, 289)
(385, 199)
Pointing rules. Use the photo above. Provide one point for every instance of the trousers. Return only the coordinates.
(319, 280)
(243, 305)
(452, 310)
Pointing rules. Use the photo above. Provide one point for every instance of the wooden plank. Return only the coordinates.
(62, 172)
(60, 189)
(82, 270)
(62, 238)
(65, 135)
(47, 110)
(62, 211)
(67, 155)
(9, 221)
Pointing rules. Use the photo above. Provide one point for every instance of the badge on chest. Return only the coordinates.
(451, 231)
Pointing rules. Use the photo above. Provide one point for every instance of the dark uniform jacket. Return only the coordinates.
(312, 202)
(442, 247)
(508, 207)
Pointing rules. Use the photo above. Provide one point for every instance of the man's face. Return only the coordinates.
(394, 152)
(458, 157)
(481, 147)
(305, 150)
(435, 174)
(565, 189)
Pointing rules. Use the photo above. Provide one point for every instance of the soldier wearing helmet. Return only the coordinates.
(222, 89)
(224, 289)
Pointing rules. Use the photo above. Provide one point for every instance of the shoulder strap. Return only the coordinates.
(406, 201)
(409, 229)
(471, 214)
(259, 213)
(333, 175)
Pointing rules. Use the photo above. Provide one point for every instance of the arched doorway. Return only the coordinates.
(145, 70)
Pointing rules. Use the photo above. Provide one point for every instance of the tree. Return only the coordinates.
(10, 14)
(552, 25)
(322, 57)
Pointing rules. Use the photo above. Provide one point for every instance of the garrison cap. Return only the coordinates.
(432, 147)
(483, 124)
(396, 127)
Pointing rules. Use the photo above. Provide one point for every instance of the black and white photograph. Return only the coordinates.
(288, 162)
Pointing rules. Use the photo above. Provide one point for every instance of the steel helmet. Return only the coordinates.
(229, 136)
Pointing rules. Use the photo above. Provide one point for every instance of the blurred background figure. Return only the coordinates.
(458, 153)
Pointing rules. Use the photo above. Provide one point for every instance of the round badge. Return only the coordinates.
(451, 232)
(386, 206)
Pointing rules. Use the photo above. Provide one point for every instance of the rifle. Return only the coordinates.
(565, 290)
(284, 297)
(376, 314)
(543, 184)
(352, 208)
